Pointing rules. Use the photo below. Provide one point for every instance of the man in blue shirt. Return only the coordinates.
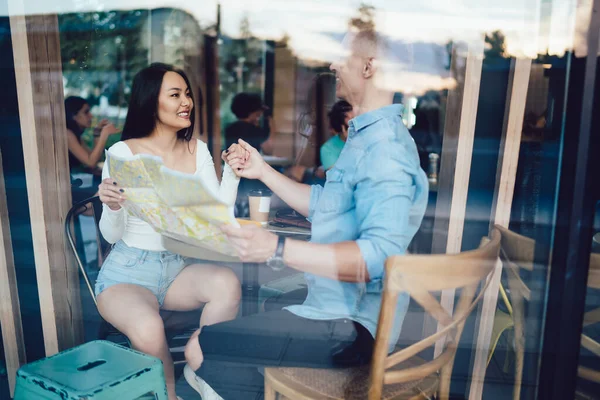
(371, 206)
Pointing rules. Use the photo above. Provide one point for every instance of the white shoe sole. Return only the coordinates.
(198, 384)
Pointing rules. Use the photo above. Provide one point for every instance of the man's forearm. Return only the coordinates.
(296, 195)
(340, 261)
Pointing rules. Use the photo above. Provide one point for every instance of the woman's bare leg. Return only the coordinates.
(140, 321)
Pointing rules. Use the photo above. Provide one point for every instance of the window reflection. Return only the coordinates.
(451, 68)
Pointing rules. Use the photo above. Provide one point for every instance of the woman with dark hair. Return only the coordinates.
(79, 118)
(339, 116)
(139, 276)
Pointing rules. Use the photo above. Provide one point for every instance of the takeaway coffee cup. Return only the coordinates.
(260, 205)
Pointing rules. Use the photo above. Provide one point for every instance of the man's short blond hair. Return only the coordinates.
(389, 60)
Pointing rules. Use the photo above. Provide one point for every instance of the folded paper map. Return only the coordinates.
(175, 204)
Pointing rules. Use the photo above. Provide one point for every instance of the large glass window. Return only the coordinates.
(439, 132)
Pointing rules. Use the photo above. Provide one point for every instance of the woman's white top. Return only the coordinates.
(119, 225)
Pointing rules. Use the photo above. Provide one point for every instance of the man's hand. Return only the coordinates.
(252, 244)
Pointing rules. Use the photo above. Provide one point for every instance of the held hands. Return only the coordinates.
(252, 243)
(248, 161)
(235, 156)
(111, 194)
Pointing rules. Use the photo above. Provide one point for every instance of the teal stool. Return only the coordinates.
(96, 370)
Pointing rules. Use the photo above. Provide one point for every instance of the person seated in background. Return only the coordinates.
(79, 118)
(249, 108)
(339, 116)
(320, 98)
(83, 160)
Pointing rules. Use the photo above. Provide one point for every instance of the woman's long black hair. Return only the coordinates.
(142, 115)
(73, 105)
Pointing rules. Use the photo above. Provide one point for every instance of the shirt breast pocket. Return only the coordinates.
(337, 195)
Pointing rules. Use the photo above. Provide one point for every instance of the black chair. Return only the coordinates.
(178, 325)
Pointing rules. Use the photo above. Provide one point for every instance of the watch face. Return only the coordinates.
(276, 264)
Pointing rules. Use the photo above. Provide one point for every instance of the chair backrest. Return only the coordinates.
(517, 254)
(419, 275)
(94, 206)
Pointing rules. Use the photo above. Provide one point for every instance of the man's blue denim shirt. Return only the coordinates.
(376, 195)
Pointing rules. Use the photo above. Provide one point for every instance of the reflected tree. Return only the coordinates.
(240, 67)
(495, 43)
(101, 52)
(365, 18)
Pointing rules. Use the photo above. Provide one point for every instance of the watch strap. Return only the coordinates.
(278, 255)
(280, 246)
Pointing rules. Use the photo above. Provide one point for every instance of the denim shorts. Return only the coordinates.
(154, 270)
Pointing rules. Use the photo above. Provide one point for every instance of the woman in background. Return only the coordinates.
(79, 118)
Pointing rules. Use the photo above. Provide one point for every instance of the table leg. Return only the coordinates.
(249, 288)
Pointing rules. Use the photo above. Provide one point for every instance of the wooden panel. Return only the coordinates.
(448, 157)
(457, 163)
(36, 49)
(464, 149)
(284, 101)
(213, 99)
(503, 196)
(10, 310)
(510, 143)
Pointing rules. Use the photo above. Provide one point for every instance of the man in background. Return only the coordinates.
(249, 108)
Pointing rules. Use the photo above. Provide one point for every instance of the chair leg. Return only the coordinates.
(270, 393)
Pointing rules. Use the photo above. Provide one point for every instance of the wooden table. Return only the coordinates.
(250, 284)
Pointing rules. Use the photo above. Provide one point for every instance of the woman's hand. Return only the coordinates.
(235, 156)
(111, 194)
(109, 129)
(253, 166)
(101, 124)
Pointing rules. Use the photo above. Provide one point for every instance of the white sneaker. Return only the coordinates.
(198, 384)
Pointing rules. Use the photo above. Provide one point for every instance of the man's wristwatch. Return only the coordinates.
(276, 260)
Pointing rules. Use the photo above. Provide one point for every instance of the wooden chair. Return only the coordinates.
(177, 323)
(517, 255)
(402, 375)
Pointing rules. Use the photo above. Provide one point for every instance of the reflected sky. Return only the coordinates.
(315, 26)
